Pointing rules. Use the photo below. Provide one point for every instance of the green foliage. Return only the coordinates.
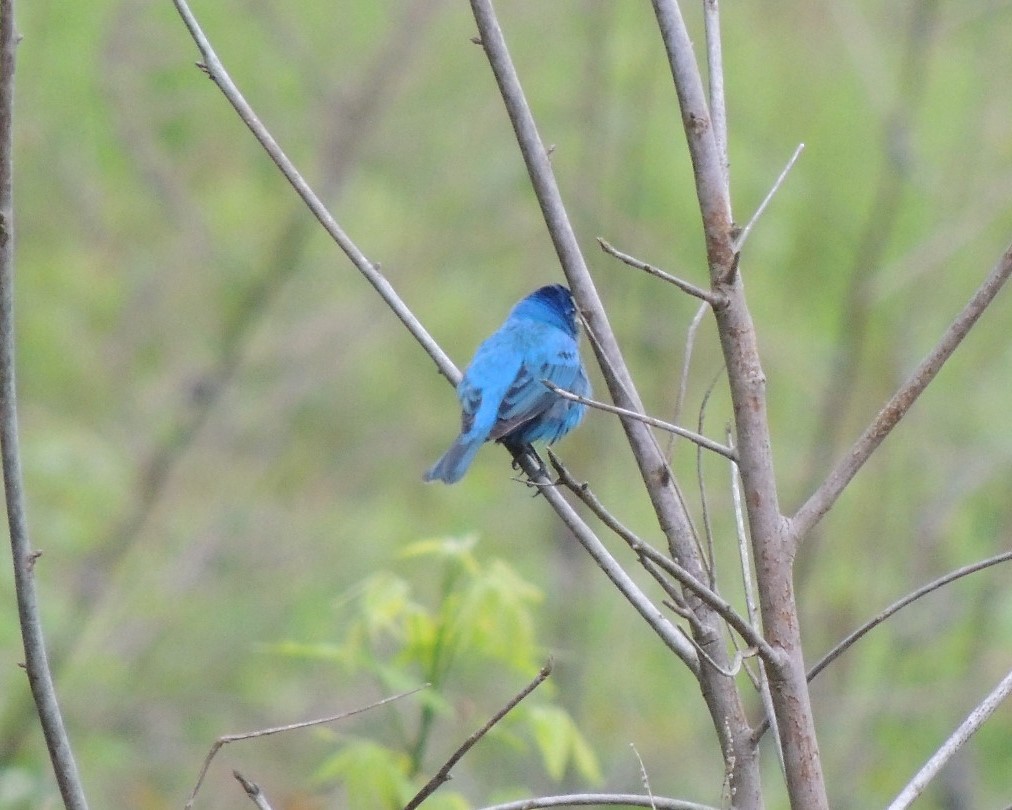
(477, 620)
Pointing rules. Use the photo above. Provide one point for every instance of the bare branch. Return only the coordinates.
(649, 553)
(266, 732)
(740, 239)
(217, 73)
(752, 608)
(710, 297)
(683, 377)
(691, 435)
(714, 600)
(715, 68)
(959, 737)
(736, 662)
(644, 777)
(253, 791)
(711, 190)
(443, 774)
(924, 590)
(591, 799)
(874, 622)
(40, 678)
(825, 496)
(609, 565)
(709, 558)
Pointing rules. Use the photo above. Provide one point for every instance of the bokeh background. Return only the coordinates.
(224, 430)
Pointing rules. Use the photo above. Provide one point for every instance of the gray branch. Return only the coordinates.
(40, 677)
(959, 737)
(896, 408)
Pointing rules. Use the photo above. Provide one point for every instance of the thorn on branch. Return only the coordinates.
(32, 559)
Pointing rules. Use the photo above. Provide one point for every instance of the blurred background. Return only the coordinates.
(224, 430)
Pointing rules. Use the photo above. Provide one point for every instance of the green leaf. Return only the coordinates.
(561, 744)
(373, 777)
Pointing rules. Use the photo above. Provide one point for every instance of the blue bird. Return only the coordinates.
(502, 397)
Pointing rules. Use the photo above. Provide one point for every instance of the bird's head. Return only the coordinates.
(552, 304)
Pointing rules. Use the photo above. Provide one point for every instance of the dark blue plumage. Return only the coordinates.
(502, 397)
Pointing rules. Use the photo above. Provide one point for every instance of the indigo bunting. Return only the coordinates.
(502, 396)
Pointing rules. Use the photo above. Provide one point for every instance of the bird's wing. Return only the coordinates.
(496, 365)
(557, 360)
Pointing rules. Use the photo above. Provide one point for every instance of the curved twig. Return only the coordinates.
(895, 607)
(267, 732)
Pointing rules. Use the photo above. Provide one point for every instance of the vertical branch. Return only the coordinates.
(722, 699)
(36, 664)
(773, 546)
(715, 67)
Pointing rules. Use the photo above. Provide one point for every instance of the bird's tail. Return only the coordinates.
(454, 462)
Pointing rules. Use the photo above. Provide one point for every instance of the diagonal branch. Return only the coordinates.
(924, 590)
(267, 732)
(895, 607)
(443, 774)
(712, 298)
(40, 678)
(647, 552)
(739, 240)
(960, 736)
(217, 73)
(822, 500)
(691, 435)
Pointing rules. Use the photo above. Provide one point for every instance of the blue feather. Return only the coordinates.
(502, 396)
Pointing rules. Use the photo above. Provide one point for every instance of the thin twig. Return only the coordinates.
(40, 678)
(709, 557)
(265, 732)
(217, 73)
(691, 435)
(645, 550)
(715, 70)
(644, 777)
(751, 607)
(710, 297)
(443, 774)
(253, 791)
(897, 606)
(959, 737)
(683, 377)
(591, 799)
(648, 553)
(740, 239)
(714, 600)
(924, 590)
(736, 662)
(825, 496)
